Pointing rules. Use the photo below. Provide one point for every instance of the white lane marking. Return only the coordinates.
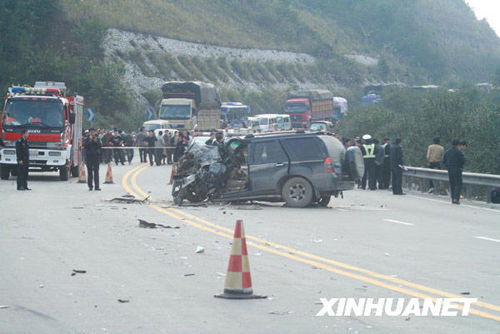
(466, 205)
(486, 238)
(398, 222)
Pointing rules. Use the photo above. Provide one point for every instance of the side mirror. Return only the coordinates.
(72, 118)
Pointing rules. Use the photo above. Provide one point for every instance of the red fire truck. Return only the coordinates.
(54, 122)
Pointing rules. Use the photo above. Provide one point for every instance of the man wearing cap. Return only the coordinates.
(92, 146)
(368, 151)
(454, 160)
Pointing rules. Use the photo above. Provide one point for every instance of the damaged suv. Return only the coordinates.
(297, 168)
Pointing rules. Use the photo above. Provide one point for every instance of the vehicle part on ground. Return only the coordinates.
(324, 200)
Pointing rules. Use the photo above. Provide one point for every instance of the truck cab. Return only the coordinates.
(299, 110)
(178, 112)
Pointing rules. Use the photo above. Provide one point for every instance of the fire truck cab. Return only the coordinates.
(54, 122)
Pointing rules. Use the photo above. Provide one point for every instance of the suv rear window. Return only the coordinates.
(305, 149)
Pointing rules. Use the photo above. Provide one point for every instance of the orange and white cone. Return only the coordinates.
(82, 176)
(238, 283)
(109, 174)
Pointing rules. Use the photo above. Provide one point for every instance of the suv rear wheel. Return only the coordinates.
(297, 192)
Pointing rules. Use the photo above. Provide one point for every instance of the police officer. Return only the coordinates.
(454, 160)
(92, 146)
(368, 151)
(23, 161)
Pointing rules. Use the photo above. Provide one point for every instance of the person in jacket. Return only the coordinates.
(386, 170)
(159, 145)
(454, 160)
(117, 143)
(23, 161)
(435, 153)
(141, 136)
(150, 142)
(92, 147)
(128, 140)
(379, 163)
(397, 166)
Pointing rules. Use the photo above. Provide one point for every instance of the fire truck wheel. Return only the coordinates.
(75, 171)
(63, 173)
(5, 171)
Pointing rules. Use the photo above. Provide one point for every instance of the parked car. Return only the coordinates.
(297, 168)
(284, 122)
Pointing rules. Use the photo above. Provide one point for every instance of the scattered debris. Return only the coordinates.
(408, 319)
(317, 241)
(2, 307)
(465, 293)
(223, 212)
(128, 196)
(387, 254)
(123, 301)
(75, 271)
(199, 249)
(247, 207)
(189, 274)
(220, 274)
(78, 207)
(145, 224)
(41, 286)
(280, 312)
(128, 200)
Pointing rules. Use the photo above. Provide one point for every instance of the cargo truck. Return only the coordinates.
(309, 105)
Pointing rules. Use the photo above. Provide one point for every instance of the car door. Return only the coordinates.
(268, 163)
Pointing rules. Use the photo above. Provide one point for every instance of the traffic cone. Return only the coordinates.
(238, 283)
(82, 176)
(109, 174)
(172, 174)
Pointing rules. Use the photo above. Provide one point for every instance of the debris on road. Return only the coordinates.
(78, 207)
(3, 307)
(128, 196)
(123, 301)
(387, 254)
(145, 224)
(280, 312)
(128, 200)
(317, 241)
(247, 207)
(465, 293)
(188, 275)
(75, 271)
(199, 249)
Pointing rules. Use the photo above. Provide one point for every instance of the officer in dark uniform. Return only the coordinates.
(92, 146)
(23, 161)
(397, 166)
(368, 151)
(454, 160)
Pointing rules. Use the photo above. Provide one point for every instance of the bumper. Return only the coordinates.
(38, 157)
(332, 183)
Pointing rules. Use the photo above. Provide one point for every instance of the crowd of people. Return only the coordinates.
(384, 164)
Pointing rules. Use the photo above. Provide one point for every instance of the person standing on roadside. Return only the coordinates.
(150, 141)
(379, 163)
(435, 153)
(159, 145)
(454, 160)
(397, 167)
(141, 136)
(23, 161)
(386, 170)
(128, 140)
(92, 146)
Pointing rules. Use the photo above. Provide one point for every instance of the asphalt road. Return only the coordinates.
(367, 245)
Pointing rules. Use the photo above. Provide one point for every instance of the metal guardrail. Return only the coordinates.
(489, 181)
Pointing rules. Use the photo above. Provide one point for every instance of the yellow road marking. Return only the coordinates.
(279, 250)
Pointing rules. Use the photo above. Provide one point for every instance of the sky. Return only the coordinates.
(489, 9)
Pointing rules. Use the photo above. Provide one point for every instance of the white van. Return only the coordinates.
(284, 122)
(268, 122)
(155, 124)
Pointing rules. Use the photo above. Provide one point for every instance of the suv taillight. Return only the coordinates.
(329, 165)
